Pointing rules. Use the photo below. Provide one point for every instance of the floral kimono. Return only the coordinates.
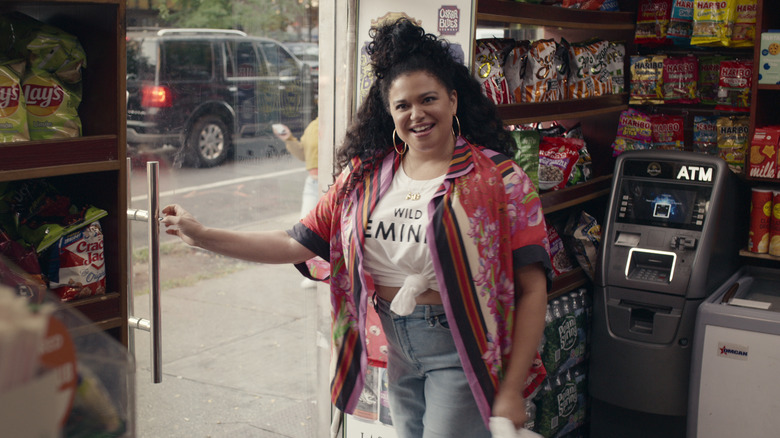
(486, 220)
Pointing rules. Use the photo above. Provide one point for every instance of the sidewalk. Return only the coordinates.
(240, 355)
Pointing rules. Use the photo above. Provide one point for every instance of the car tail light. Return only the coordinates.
(156, 97)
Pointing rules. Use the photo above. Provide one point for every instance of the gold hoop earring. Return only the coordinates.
(395, 146)
(453, 126)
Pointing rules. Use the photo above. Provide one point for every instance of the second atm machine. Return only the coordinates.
(670, 239)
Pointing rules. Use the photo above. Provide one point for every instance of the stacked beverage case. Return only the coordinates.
(559, 407)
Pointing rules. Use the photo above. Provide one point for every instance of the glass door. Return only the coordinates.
(241, 341)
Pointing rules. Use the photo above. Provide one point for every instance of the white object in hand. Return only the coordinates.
(502, 427)
(404, 301)
(279, 128)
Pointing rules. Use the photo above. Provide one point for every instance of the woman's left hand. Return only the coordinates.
(510, 403)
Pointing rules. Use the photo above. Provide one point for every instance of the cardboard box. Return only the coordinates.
(763, 154)
(769, 62)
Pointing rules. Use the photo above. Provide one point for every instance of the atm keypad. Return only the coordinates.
(649, 274)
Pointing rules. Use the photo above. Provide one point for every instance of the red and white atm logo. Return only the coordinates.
(732, 351)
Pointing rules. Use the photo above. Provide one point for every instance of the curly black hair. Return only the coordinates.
(400, 48)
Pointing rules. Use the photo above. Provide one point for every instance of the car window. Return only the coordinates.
(280, 61)
(141, 59)
(247, 64)
(188, 60)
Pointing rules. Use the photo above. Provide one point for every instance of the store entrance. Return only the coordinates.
(240, 341)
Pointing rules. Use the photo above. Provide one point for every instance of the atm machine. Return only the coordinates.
(671, 237)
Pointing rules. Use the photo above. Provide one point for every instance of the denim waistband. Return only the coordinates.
(420, 311)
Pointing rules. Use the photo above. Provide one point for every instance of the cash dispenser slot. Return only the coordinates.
(643, 321)
(650, 265)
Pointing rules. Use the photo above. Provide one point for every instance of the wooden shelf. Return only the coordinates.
(746, 253)
(567, 282)
(557, 200)
(523, 113)
(769, 87)
(503, 11)
(23, 160)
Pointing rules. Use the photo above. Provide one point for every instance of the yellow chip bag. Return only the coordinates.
(13, 115)
(52, 110)
(713, 22)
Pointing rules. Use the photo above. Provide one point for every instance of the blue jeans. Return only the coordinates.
(429, 394)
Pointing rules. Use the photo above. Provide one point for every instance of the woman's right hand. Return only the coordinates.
(179, 222)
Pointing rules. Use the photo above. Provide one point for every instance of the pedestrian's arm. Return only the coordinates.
(531, 289)
(256, 246)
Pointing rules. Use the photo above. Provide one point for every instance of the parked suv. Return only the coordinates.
(202, 92)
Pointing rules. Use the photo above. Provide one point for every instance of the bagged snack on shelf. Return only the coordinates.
(744, 31)
(709, 78)
(560, 260)
(735, 81)
(514, 61)
(75, 264)
(489, 71)
(647, 79)
(634, 132)
(582, 236)
(13, 112)
(527, 154)
(713, 22)
(582, 170)
(52, 110)
(557, 158)
(652, 22)
(764, 152)
(681, 22)
(680, 79)
(589, 5)
(733, 140)
(546, 72)
(47, 47)
(668, 131)
(705, 135)
(616, 64)
(589, 73)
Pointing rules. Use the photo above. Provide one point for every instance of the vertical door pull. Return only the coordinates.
(152, 217)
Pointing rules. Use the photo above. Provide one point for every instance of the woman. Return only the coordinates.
(437, 229)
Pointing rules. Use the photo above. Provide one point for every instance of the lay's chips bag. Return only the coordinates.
(52, 110)
(13, 113)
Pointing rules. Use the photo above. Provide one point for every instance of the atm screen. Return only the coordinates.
(663, 204)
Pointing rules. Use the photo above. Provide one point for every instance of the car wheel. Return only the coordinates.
(209, 141)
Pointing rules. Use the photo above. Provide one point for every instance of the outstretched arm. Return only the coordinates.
(531, 287)
(258, 246)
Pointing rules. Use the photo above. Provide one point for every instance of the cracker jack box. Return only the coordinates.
(769, 62)
(763, 154)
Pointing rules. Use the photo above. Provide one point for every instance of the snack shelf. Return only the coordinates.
(502, 11)
(523, 113)
(23, 160)
(746, 253)
(557, 200)
(567, 282)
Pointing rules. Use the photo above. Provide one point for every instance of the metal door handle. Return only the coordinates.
(152, 217)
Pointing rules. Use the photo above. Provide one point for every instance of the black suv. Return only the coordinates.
(202, 93)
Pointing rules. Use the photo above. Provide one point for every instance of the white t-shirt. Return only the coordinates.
(395, 245)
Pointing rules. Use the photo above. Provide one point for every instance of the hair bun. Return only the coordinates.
(397, 41)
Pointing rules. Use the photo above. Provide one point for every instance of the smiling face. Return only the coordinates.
(422, 111)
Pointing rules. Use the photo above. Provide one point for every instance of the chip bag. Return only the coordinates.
(52, 110)
(557, 158)
(527, 154)
(489, 72)
(75, 264)
(590, 75)
(13, 111)
(546, 72)
(705, 135)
